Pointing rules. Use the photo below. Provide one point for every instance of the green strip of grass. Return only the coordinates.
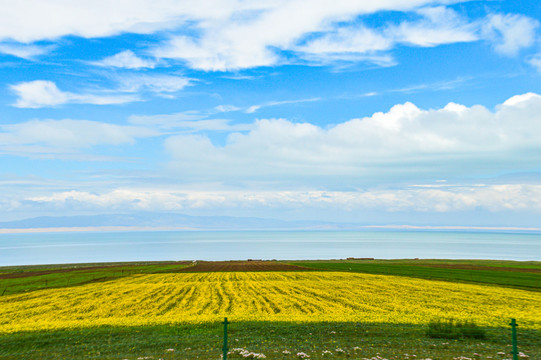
(78, 277)
(535, 265)
(274, 340)
(422, 269)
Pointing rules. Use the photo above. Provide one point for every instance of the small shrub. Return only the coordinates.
(470, 330)
(449, 329)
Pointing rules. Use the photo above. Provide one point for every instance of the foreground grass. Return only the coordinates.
(481, 271)
(277, 340)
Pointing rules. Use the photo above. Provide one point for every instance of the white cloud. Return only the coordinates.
(436, 26)
(439, 25)
(510, 33)
(222, 35)
(254, 108)
(349, 44)
(23, 51)
(127, 60)
(452, 141)
(535, 61)
(226, 108)
(503, 197)
(237, 41)
(33, 20)
(189, 121)
(43, 93)
(153, 83)
(55, 137)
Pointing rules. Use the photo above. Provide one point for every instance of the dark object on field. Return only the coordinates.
(354, 258)
(450, 329)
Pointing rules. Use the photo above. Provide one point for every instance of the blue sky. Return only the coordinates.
(389, 112)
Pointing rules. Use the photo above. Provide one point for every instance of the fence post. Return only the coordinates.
(224, 348)
(514, 335)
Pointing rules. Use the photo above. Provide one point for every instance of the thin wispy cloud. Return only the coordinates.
(25, 51)
(126, 60)
(253, 108)
(44, 93)
(58, 138)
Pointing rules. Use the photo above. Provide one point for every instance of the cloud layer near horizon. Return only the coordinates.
(447, 198)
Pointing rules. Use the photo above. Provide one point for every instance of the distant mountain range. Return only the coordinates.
(171, 221)
(167, 220)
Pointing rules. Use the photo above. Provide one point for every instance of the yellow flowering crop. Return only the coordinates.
(267, 296)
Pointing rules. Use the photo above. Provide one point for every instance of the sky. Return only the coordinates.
(375, 112)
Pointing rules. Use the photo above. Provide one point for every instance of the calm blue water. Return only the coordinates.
(55, 248)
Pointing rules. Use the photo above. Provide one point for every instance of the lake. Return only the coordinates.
(76, 247)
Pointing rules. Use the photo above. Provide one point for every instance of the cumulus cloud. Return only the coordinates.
(510, 33)
(503, 197)
(454, 140)
(125, 59)
(43, 93)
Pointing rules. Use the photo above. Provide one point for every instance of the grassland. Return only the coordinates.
(173, 310)
(14, 280)
(514, 274)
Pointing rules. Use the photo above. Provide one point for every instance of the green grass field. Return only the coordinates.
(276, 340)
(30, 278)
(522, 275)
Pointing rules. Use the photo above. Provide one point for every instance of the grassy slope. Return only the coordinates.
(425, 269)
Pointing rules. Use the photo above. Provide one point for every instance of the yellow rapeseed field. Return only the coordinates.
(269, 296)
